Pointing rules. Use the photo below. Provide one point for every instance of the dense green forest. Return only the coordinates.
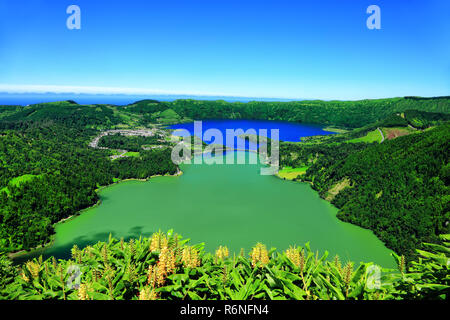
(62, 174)
(398, 188)
(67, 113)
(169, 268)
(130, 143)
(349, 114)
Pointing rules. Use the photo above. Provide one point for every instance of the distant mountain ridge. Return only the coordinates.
(345, 114)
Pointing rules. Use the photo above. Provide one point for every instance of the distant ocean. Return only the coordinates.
(26, 99)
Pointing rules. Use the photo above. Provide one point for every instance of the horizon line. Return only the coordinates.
(123, 91)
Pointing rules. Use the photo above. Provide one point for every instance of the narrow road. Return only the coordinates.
(121, 155)
(140, 132)
(382, 136)
(143, 132)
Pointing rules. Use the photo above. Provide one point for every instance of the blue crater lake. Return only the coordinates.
(288, 131)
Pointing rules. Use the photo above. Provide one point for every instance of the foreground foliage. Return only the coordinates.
(166, 267)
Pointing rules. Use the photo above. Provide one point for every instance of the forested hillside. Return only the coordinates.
(68, 113)
(398, 188)
(349, 114)
(131, 143)
(48, 173)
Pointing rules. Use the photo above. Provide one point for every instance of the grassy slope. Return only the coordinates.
(18, 180)
(290, 173)
(371, 136)
(132, 154)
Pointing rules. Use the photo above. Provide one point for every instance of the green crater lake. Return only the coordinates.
(230, 205)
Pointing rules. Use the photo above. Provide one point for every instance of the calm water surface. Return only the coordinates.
(229, 205)
(288, 131)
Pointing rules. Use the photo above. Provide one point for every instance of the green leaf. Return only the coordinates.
(195, 283)
(438, 258)
(194, 296)
(99, 296)
(236, 277)
(357, 291)
(293, 291)
(360, 272)
(433, 286)
(268, 291)
(169, 288)
(445, 236)
(178, 278)
(337, 293)
(438, 248)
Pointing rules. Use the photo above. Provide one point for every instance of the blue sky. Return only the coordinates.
(287, 49)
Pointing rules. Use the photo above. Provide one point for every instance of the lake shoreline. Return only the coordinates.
(49, 244)
(349, 228)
